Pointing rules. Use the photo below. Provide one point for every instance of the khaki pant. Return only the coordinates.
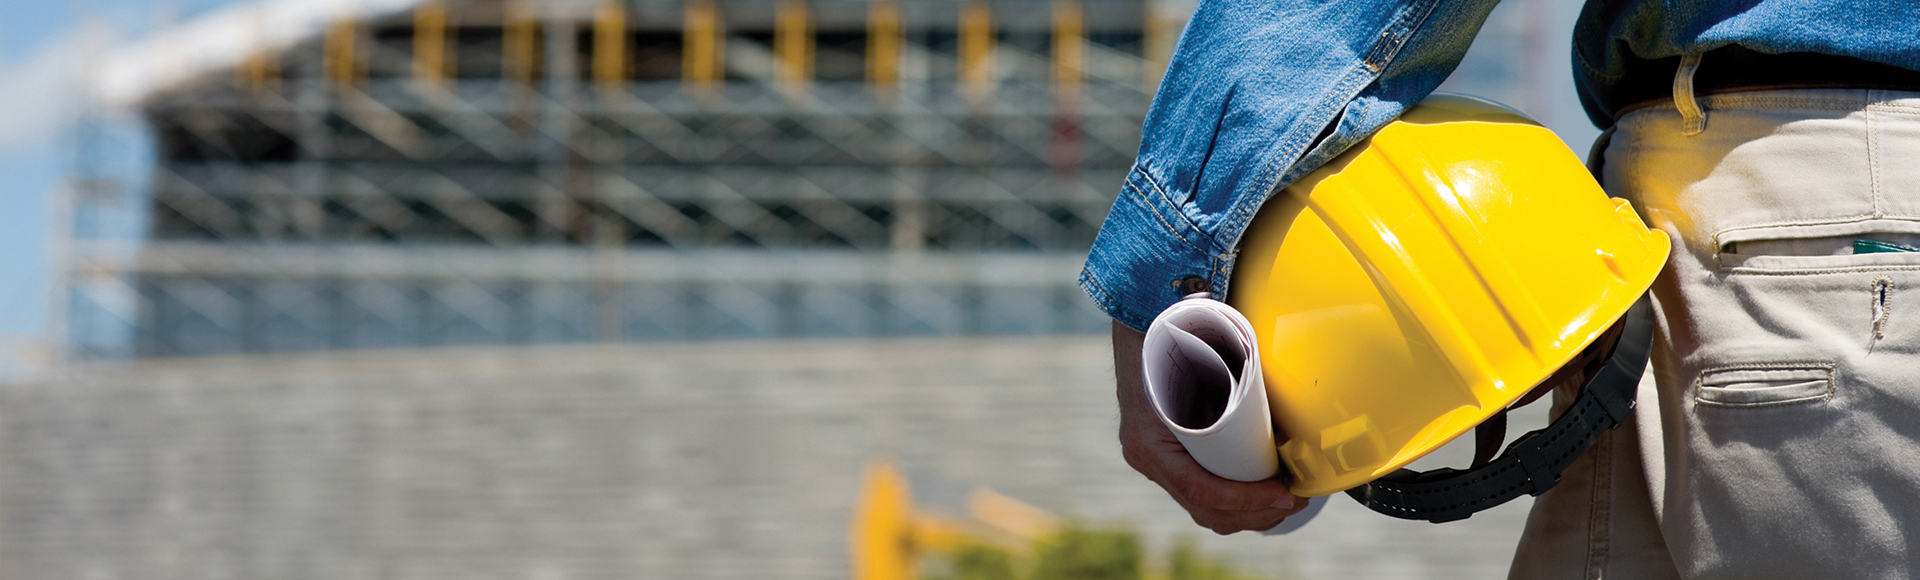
(1778, 432)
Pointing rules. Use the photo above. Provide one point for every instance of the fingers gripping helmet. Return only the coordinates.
(1424, 281)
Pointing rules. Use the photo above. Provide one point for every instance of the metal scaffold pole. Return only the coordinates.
(523, 171)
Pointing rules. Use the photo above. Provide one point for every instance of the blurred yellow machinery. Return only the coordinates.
(889, 533)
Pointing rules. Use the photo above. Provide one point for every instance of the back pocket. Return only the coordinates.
(1765, 384)
(1809, 248)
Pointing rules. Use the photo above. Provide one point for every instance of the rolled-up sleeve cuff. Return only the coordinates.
(1144, 249)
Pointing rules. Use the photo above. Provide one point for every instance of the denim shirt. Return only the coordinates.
(1261, 92)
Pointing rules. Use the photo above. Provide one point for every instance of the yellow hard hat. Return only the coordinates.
(1425, 280)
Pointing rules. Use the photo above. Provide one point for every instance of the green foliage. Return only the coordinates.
(1079, 552)
(1187, 562)
(974, 562)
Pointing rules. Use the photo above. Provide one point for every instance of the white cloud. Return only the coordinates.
(42, 93)
(219, 39)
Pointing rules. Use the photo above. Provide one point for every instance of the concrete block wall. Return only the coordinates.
(684, 461)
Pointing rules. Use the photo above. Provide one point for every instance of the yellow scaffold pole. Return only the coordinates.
(430, 45)
(610, 46)
(793, 47)
(341, 63)
(703, 50)
(883, 47)
(258, 72)
(517, 51)
(1069, 49)
(976, 50)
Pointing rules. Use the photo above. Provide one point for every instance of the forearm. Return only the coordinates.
(1258, 94)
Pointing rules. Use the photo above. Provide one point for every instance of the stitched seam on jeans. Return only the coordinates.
(1397, 33)
(1143, 171)
(1268, 180)
(1392, 39)
(1171, 229)
(1294, 147)
(1113, 308)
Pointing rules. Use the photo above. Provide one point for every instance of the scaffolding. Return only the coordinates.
(509, 171)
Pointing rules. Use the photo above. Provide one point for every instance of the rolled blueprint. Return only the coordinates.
(1202, 368)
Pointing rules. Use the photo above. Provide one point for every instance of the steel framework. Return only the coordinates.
(499, 172)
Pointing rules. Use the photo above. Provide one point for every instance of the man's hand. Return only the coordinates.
(1219, 504)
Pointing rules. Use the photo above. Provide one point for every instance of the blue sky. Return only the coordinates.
(36, 146)
(28, 24)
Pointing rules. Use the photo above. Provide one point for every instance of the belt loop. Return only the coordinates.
(1693, 119)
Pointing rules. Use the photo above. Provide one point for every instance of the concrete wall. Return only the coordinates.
(685, 461)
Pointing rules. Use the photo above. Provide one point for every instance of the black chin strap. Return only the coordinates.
(1534, 462)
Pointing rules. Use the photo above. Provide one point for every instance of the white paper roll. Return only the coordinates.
(1202, 368)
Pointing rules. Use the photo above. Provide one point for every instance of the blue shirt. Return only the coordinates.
(1261, 92)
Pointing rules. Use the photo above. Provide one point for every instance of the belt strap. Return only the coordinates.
(1533, 463)
(1734, 68)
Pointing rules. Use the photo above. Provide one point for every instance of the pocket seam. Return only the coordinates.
(1700, 383)
(1759, 271)
(1798, 229)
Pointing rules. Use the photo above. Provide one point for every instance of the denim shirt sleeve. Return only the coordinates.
(1258, 94)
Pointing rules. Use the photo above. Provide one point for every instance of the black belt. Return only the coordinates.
(1533, 463)
(1734, 69)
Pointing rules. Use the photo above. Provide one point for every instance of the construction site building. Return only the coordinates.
(500, 172)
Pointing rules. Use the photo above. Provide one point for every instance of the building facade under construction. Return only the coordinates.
(487, 171)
